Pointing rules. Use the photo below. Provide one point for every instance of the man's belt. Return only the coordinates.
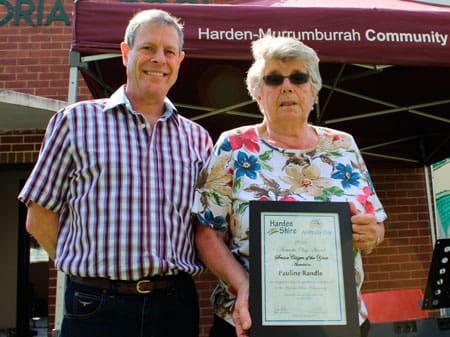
(143, 286)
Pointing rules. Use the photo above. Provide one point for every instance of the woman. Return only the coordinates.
(283, 158)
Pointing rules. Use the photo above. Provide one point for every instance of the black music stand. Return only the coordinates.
(437, 294)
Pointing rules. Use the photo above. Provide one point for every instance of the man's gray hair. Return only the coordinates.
(152, 16)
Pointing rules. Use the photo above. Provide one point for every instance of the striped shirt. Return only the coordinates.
(123, 188)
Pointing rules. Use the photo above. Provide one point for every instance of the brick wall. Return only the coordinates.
(403, 259)
(34, 60)
(17, 147)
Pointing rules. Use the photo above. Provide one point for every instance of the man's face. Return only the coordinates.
(153, 61)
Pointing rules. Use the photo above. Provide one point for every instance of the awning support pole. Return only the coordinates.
(74, 62)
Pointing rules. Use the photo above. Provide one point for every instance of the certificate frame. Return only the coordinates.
(302, 278)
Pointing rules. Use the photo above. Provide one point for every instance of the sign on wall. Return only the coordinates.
(32, 13)
(441, 186)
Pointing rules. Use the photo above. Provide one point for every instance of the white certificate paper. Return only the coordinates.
(302, 277)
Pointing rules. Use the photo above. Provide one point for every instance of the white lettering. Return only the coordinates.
(371, 35)
(230, 34)
(431, 37)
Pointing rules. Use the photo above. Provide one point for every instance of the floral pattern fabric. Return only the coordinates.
(245, 167)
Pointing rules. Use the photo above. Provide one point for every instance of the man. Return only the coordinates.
(109, 198)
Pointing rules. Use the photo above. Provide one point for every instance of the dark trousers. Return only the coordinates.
(93, 312)
(220, 328)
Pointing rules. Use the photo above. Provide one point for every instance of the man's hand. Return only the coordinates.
(241, 314)
(43, 225)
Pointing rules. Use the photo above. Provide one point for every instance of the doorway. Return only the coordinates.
(23, 265)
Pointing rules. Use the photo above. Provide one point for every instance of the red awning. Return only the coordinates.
(384, 66)
(341, 31)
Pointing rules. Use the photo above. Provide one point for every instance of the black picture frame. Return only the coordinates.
(300, 216)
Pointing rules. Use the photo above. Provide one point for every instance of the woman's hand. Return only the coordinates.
(367, 232)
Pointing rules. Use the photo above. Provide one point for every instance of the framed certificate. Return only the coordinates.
(302, 278)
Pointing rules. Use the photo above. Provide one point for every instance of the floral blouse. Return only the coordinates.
(245, 167)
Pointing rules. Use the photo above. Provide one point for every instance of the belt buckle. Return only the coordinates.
(140, 284)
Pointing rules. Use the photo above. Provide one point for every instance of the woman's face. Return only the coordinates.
(287, 102)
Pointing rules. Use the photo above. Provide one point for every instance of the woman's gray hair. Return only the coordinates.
(152, 16)
(283, 49)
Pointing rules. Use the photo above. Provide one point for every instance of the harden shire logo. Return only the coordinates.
(281, 227)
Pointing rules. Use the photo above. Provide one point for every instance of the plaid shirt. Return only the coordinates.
(123, 188)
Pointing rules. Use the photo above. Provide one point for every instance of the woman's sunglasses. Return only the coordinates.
(296, 78)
